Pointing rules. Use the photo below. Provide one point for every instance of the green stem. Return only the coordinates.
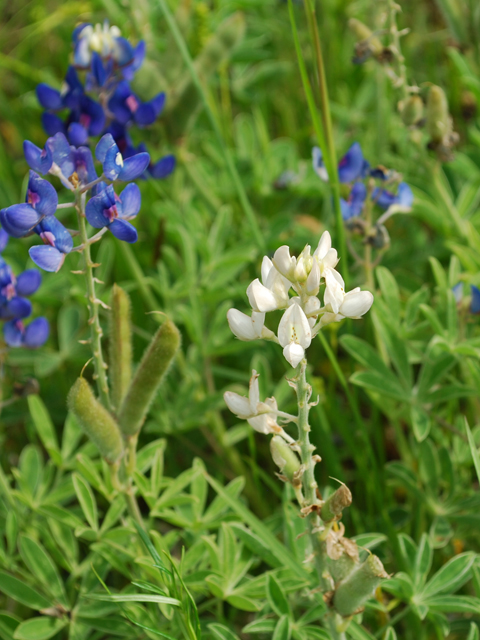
(304, 391)
(327, 128)
(93, 304)
(242, 196)
(367, 255)
(393, 9)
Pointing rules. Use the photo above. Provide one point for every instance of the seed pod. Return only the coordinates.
(365, 37)
(120, 347)
(412, 110)
(336, 503)
(95, 420)
(342, 568)
(285, 459)
(439, 122)
(151, 370)
(352, 592)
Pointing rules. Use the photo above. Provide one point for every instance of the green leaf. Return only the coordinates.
(282, 629)
(383, 385)
(113, 514)
(365, 354)
(420, 422)
(423, 561)
(451, 576)
(22, 593)
(389, 289)
(255, 544)
(390, 634)
(473, 634)
(276, 596)
(8, 624)
(42, 566)
(358, 632)
(369, 540)
(244, 603)
(315, 633)
(228, 550)
(132, 597)
(473, 450)
(220, 632)
(86, 499)
(44, 426)
(265, 625)
(453, 604)
(39, 628)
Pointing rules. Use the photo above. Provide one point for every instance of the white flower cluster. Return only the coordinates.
(304, 314)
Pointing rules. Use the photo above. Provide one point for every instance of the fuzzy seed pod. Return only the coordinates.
(352, 592)
(412, 110)
(336, 503)
(95, 420)
(151, 370)
(285, 459)
(120, 347)
(439, 123)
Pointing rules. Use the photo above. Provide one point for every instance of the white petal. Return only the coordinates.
(254, 393)
(258, 320)
(267, 266)
(311, 305)
(242, 326)
(356, 303)
(330, 259)
(294, 354)
(294, 328)
(261, 298)
(239, 405)
(313, 280)
(324, 244)
(261, 423)
(334, 291)
(283, 261)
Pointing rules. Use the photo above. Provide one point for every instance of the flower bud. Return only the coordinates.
(352, 592)
(120, 346)
(245, 327)
(412, 110)
(285, 458)
(260, 297)
(95, 420)
(336, 503)
(151, 370)
(365, 37)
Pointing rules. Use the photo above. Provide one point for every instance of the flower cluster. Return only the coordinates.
(110, 63)
(304, 314)
(14, 306)
(75, 168)
(362, 192)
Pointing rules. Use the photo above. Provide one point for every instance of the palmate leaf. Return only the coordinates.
(221, 632)
(41, 628)
(451, 576)
(276, 596)
(19, 591)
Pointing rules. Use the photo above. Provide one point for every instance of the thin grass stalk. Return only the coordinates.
(187, 58)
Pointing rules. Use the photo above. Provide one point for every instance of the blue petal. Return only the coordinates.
(84, 165)
(145, 114)
(28, 282)
(3, 239)
(19, 308)
(41, 195)
(12, 333)
(139, 56)
(123, 52)
(164, 167)
(357, 198)
(475, 304)
(71, 98)
(46, 257)
(131, 201)
(134, 167)
(346, 209)
(458, 292)
(77, 134)
(37, 159)
(405, 195)
(49, 97)
(380, 172)
(62, 240)
(19, 220)
(52, 123)
(62, 153)
(384, 198)
(158, 102)
(117, 103)
(95, 114)
(351, 165)
(123, 230)
(113, 164)
(95, 208)
(103, 146)
(98, 70)
(37, 332)
(78, 31)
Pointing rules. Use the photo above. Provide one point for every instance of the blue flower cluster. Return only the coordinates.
(474, 306)
(354, 170)
(15, 308)
(110, 63)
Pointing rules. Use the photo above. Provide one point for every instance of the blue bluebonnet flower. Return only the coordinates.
(114, 166)
(14, 306)
(20, 220)
(110, 62)
(57, 243)
(352, 208)
(107, 209)
(475, 303)
(385, 198)
(351, 167)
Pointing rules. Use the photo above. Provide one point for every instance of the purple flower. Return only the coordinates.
(57, 243)
(352, 207)
(126, 106)
(114, 166)
(107, 209)
(385, 199)
(39, 160)
(19, 220)
(351, 167)
(32, 336)
(475, 303)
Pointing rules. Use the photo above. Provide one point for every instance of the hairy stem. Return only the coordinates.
(93, 304)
